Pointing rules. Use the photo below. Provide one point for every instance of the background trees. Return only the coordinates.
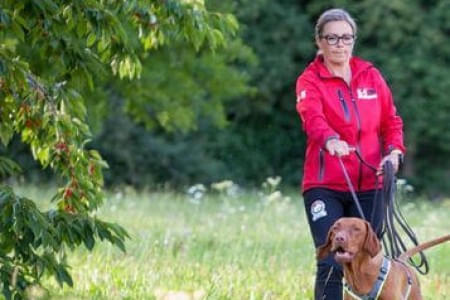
(262, 137)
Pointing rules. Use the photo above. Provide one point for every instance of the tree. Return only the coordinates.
(52, 54)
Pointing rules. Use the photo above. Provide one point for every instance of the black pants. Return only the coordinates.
(323, 207)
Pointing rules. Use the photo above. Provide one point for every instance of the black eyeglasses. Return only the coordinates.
(333, 39)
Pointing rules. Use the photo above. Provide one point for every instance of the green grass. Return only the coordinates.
(231, 248)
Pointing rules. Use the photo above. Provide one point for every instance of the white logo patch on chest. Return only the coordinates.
(366, 93)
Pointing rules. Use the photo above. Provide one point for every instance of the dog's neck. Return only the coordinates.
(361, 273)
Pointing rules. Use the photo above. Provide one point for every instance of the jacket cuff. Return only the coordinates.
(390, 148)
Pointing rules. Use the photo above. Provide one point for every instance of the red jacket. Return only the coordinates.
(362, 114)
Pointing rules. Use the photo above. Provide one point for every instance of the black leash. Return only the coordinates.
(392, 240)
(352, 189)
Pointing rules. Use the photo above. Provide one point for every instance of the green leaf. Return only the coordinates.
(6, 135)
(43, 155)
(88, 238)
(81, 26)
(103, 44)
(63, 276)
(18, 31)
(91, 39)
(119, 243)
(8, 167)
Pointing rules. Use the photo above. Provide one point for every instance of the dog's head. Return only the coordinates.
(349, 237)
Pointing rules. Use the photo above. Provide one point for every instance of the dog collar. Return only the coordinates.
(377, 287)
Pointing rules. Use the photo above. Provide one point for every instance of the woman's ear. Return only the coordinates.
(318, 43)
(371, 244)
(325, 249)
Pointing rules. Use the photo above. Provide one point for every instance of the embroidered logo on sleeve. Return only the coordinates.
(367, 93)
(318, 210)
(301, 95)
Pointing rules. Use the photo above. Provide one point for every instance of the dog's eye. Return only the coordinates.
(357, 229)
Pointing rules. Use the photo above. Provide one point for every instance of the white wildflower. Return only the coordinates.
(274, 181)
(196, 192)
(275, 196)
(409, 188)
(118, 195)
(222, 186)
(401, 182)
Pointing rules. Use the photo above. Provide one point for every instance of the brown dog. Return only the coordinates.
(357, 248)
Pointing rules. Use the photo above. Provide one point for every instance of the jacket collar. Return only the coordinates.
(357, 66)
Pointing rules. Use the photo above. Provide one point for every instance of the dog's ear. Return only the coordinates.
(325, 249)
(371, 244)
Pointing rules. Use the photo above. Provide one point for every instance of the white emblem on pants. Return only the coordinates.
(318, 210)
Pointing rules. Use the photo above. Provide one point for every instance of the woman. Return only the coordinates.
(345, 107)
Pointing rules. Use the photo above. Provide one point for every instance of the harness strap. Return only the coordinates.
(377, 287)
(408, 275)
(408, 288)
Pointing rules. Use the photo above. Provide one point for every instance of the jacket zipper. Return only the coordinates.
(344, 105)
(321, 164)
(358, 124)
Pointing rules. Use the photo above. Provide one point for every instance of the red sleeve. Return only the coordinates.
(309, 107)
(391, 123)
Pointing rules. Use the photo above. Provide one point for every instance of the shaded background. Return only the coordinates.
(241, 123)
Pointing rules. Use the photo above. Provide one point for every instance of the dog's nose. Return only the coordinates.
(340, 237)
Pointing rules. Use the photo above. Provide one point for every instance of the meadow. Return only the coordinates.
(249, 245)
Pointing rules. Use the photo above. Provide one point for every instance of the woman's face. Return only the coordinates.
(336, 42)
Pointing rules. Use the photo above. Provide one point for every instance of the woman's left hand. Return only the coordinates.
(394, 158)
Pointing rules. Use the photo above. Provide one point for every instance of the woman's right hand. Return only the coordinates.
(338, 147)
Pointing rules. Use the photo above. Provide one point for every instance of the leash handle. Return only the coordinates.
(392, 239)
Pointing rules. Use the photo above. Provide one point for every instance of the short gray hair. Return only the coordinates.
(334, 14)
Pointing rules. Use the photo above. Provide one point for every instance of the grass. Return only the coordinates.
(231, 248)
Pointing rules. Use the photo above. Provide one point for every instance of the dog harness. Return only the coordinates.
(377, 287)
(408, 274)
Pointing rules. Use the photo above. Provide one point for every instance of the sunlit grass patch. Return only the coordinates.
(231, 247)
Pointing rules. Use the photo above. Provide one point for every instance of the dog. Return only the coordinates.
(357, 248)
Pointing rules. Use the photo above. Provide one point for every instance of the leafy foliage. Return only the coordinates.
(8, 167)
(53, 54)
(180, 87)
(406, 41)
(38, 241)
